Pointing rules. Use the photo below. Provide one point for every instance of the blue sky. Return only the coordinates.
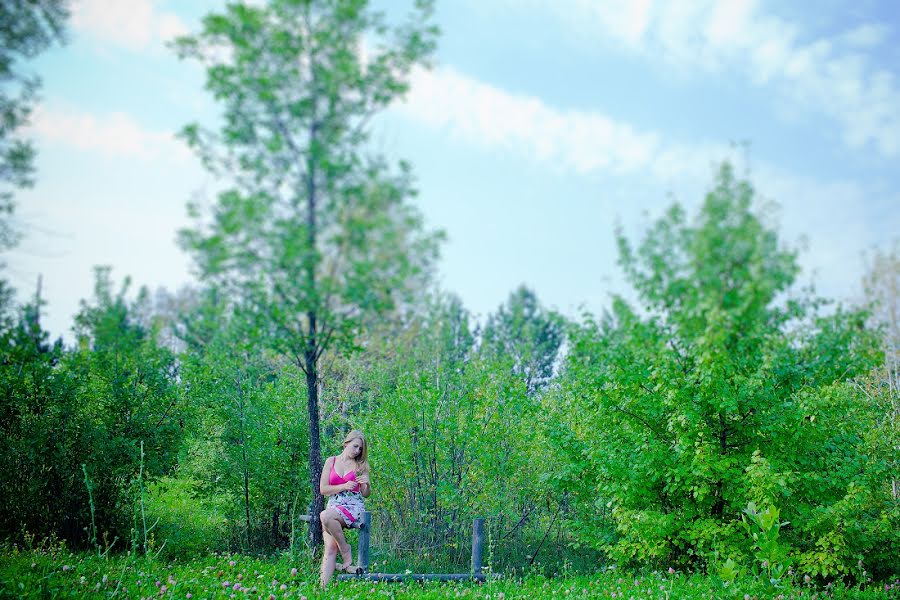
(542, 125)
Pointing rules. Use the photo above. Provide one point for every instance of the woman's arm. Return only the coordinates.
(325, 488)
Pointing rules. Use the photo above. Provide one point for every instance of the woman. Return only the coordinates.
(345, 480)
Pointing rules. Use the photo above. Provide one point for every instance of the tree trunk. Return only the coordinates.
(244, 460)
(276, 525)
(315, 450)
(310, 357)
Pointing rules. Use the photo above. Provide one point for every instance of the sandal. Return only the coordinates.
(351, 569)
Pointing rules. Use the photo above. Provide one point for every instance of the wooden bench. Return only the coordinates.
(307, 518)
(365, 525)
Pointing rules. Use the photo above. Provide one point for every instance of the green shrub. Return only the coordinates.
(713, 390)
(184, 522)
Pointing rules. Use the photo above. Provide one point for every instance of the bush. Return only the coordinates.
(185, 523)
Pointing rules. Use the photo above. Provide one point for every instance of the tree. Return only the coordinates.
(90, 407)
(529, 335)
(726, 386)
(126, 391)
(316, 232)
(41, 432)
(244, 440)
(27, 27)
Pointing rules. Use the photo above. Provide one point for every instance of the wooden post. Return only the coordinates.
(365, 528)
(477, 527)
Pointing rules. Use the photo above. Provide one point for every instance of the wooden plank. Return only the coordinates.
(401, 577)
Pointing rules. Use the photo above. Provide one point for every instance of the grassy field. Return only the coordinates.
(58, 573)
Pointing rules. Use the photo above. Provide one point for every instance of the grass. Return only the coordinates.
(59, 573)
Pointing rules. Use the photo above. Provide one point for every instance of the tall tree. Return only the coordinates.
(27, 27)
(316, 232)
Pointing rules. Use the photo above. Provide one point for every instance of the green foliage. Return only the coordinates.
(724, 387)
(728, 571)
(772, 558)
(26, 29)
(189, 522)
(528, 335)
(451, 427)
(125, 388)
(880, 392)
(244, 440)
(77, 416)
(42, 433)
(427, 422)
(314, 227)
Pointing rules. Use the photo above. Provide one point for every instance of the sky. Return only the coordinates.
(542, 125)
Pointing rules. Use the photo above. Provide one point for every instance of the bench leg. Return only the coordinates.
(477, 537)
(363, 550)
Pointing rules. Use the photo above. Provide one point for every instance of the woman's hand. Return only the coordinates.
(365, 487)
(349, 486)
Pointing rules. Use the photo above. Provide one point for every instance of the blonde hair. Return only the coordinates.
(362, 461)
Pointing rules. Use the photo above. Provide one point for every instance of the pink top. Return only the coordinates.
(335, 479)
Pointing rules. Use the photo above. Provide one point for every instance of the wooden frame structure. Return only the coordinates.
(365, 526)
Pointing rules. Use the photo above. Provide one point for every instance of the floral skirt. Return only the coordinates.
(349, 505)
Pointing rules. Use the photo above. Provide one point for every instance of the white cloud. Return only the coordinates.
(115, 134)
(577, 141)
(573, 140)
(170, 26)
(867, 35)
(134, 24)
(727, 20)
(833, 76)
(628, 21)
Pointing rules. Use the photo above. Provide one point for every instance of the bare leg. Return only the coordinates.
(334, 524)
(329, 557)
